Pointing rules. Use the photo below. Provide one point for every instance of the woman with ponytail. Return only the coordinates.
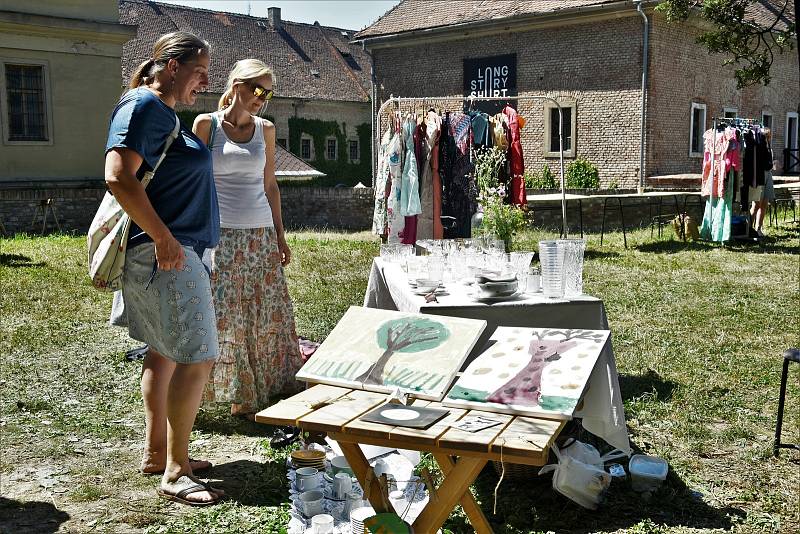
(166, 289)
(259, 352)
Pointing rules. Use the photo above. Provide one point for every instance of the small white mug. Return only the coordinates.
(342, 485)
(322, 524)
(307, 479)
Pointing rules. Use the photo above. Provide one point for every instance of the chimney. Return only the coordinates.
(274, 17)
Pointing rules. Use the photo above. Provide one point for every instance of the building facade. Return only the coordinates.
(59, 72)
(588, 55)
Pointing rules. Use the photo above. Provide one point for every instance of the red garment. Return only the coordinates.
(516, 161)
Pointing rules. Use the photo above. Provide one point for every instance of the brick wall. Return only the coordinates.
(595, 65)
(73, 205)
(344, 208)
(682, 72)
(598, 65)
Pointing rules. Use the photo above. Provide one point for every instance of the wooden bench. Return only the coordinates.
(461, 455)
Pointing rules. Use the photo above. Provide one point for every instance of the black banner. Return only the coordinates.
(494, 76)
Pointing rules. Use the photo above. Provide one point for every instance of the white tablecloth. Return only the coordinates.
(388, 289)
(602, 412)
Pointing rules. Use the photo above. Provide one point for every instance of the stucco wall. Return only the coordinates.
(100, 10)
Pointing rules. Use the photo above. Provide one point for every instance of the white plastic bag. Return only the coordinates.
(579, 474)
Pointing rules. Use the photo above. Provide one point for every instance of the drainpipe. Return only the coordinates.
(644, 93)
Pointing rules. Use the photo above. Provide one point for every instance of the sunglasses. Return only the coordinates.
(262, 93)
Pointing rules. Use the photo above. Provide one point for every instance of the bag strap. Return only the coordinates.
(172, 136)
(213, 130)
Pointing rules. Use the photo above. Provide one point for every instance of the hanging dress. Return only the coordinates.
(515, 158)
(410, 205)
(459, 193)
(434, 131)
(382, 187)
(428, 132)
(720, 162)
(395, 222)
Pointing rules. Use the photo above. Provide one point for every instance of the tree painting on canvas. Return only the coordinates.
(381, 350)
(531, 371)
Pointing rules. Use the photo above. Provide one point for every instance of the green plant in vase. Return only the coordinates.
(499, 219)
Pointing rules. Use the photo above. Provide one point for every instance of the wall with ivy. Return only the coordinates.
(340, 170)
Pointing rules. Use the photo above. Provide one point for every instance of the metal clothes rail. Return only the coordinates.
(398, 101)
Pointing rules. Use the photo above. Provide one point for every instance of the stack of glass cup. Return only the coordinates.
(562, 267)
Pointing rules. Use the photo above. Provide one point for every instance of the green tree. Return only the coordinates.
(409, 334)
(750, 44)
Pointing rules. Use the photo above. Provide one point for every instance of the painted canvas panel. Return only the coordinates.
(380, 350)
(530, 371)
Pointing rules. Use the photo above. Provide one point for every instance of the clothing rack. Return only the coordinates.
(398, 101)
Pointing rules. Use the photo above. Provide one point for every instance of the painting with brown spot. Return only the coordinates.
(546, 379)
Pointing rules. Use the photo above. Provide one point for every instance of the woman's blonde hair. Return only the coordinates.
(180, 46)
(244, 70)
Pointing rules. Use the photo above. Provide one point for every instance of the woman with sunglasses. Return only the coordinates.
(259, 351)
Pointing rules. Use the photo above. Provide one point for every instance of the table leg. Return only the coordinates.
(681, 217)
(471, 508)
(360, 466)
(622, 219)
(450, 492)
(580, 215)
(603, 224)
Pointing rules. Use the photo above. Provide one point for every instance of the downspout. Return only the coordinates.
(373, 138)
(645, 54)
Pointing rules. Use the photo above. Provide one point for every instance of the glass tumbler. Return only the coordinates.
(551, 256)
(573, 266)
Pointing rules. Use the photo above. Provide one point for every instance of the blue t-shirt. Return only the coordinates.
(182, 190)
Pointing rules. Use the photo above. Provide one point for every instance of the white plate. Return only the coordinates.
(489, 300)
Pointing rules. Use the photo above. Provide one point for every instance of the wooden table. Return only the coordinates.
(461, 455)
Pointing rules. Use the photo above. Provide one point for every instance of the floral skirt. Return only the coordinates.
(259, 351)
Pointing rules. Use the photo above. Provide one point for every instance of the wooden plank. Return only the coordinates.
(357, 427)
(432, 433)
(287, 412)
(333, 417)
(417, 446)
(527, 436)
(474, 441)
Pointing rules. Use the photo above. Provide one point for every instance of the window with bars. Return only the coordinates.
(330, 149)
(27, 112)
(305, 148)
(353, 147)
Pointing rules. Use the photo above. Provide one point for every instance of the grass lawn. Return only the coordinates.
(698, 333)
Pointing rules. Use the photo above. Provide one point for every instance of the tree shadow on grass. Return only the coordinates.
(18, 260)
(530, 503)
(253, 483)
(634, 386)
(31, 516)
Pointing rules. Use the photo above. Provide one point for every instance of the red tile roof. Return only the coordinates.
(410, 15)
(309, 60)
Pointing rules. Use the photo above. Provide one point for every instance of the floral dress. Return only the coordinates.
(259, 350)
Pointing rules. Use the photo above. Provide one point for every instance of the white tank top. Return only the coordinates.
(239, 177)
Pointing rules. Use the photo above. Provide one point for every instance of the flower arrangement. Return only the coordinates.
(499, 218)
